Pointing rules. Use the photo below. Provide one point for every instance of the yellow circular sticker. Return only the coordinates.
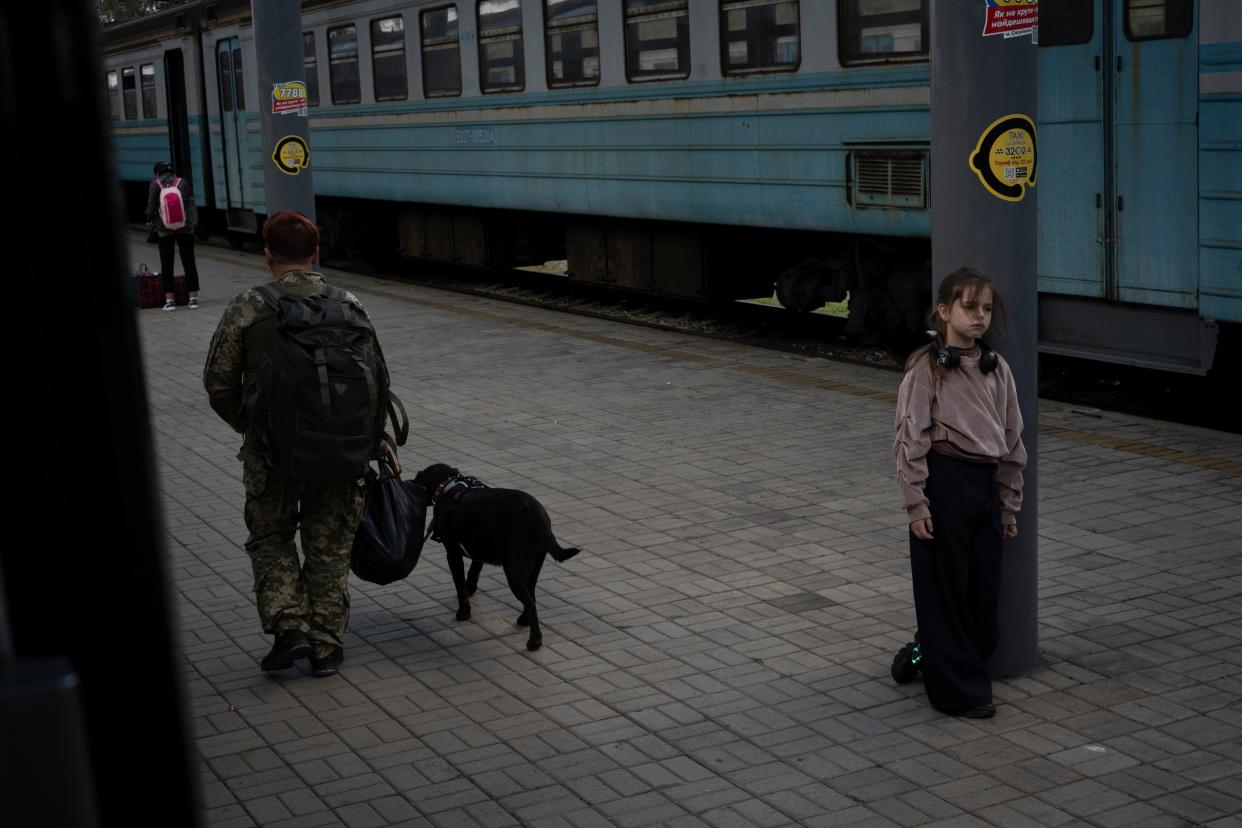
(291, 155)
(1005, 157)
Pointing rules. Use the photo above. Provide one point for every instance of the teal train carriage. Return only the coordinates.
(710, 149)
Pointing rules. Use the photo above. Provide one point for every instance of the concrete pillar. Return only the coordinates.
(284, 116)
(984, 169)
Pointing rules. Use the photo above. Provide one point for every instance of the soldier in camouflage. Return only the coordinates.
(306, 606)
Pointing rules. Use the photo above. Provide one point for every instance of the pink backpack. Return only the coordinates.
(172, 208)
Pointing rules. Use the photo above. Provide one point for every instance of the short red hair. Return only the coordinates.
(290, 237)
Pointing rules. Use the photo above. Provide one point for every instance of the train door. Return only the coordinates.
(1073, 222)
(178, 115)
(232, 120)
(1118, 146)
(1155, 140)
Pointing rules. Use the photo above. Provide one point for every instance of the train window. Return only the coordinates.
(880, 30)
(239, 88)
(1065, 22)
(343, 64)
(657, 39)
(572, 42)
(129, 93)
(1153, 19)
(226, 82)
(388, 58)
(441, 53)
(310, 65)
(759, 36)
(147, 78)
(114, 95)
(501, 65)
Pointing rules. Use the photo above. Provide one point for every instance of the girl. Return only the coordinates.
(959, 460)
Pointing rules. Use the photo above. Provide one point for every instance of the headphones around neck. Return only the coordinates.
(950, 357)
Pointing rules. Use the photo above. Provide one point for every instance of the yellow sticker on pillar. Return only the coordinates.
(1006, 156)
(291, 155)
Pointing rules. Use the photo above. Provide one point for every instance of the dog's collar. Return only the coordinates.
(455, 487)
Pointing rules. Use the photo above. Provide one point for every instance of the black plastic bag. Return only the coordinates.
(390, 537)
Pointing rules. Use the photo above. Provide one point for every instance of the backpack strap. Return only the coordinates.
(325, 396)
(402, 426)
(271, 294)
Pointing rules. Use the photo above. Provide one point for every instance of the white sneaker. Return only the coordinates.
(170, 305)
(193, 303)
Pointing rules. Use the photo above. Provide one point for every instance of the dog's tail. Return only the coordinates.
(541, 525)
(560, 554)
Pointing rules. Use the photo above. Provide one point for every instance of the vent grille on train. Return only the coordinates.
(890, 179)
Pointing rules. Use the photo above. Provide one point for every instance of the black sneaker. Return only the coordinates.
(908, 663)
(325, 660)
(289, 647)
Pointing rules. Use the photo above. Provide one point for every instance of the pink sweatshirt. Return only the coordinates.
(975, 413)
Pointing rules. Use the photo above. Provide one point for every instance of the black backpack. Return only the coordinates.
(322, 392)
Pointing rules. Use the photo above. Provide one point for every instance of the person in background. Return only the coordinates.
(168, 239)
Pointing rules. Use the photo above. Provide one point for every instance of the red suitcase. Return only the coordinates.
(150, 294)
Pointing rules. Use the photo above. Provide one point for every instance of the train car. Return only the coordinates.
(1140, 203)
(709, 149)
(153, 77)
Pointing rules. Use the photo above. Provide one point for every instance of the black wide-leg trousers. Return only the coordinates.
(185, 243)
(957, 582)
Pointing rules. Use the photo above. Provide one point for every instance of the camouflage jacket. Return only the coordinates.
(237, 348)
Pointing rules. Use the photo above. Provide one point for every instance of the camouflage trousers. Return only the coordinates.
(311, 596)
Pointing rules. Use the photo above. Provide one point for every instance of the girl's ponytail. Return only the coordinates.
(934, 323)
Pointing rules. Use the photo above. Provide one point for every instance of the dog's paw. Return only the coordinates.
(534, 644)
(523, 620)
(463, 613)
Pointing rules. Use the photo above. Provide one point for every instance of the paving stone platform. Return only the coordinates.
(718, 654)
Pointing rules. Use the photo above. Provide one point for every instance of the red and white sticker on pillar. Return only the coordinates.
(1011, 18)
(289, 98)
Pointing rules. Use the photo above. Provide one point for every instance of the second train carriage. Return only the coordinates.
(706, 148)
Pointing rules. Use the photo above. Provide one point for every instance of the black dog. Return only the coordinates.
(505, 527)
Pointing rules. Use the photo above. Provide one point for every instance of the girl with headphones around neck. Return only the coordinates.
(959, 458)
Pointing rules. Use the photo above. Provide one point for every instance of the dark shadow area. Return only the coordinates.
(92, 709)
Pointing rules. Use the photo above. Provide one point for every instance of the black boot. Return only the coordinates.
(325, 660)
(289, 647)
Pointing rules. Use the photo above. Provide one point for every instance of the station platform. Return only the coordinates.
(718, 654)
